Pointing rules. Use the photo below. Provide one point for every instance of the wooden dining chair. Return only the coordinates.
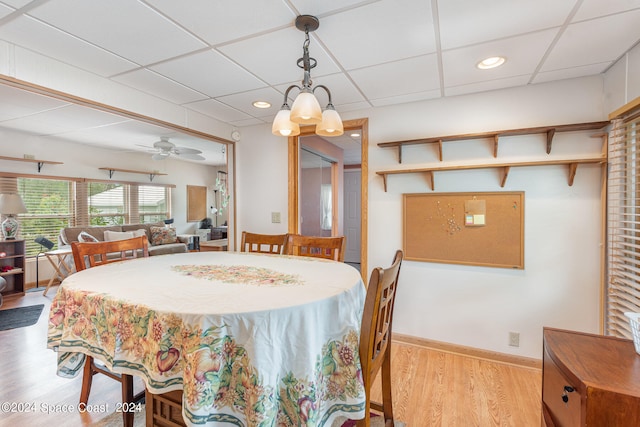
(318, 247)
(263, 243)
(375, 338)
(93, 254)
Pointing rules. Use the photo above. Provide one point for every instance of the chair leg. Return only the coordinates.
(387, 402)
(87, 379)
(127, 399)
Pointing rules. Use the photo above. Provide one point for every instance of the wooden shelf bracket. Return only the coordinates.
(505, 174)
(550, 134)
(573, 167)
(152, 174)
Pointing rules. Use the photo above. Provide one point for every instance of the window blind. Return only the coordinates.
(623, 225)
(50, 207)
(107, 203)
(153, 203)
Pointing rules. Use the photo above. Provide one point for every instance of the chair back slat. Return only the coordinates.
(375, 335)
(263, 243)
(93, 254)
(318, 247)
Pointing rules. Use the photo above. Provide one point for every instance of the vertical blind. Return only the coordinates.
(623, 217)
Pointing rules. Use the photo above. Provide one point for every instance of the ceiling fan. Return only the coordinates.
(164, 148)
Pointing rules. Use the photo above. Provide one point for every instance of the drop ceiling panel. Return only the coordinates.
(400, 77)
(220, 21)
(17, 4)
(570, 73)
(583, 44)
(464, 22)
(243, 101)
(594, 8)
(17, 103)
(127, 28)
(210, 73)
(273, 57)
(523, 55)
(160, 86)
(318, 8)
(217, 110)
(384, 31)
(40, 37)
(487, 85)
(5, 10)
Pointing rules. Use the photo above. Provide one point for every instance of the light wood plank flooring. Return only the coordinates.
(431, 387)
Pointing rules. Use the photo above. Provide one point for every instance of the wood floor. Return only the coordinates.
(431, 387)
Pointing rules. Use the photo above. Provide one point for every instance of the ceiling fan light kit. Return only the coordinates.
(306, 109)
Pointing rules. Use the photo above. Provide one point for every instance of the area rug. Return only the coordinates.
(20, 317)
(115, 420)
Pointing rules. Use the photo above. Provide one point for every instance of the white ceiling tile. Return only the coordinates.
(217, 110)
(583, 44)
(273, 57)
(487, 85)
(5, 10)
(384, 31)
(595, 8)
(18, 103)
(523, 54)
(398, 78)
(64, 119)
(353, 107)
(17, 3)
(464, 22)
(42, 38)
(247, 122)
(402, 99)
(243, 101)
(570, 73)
(160, 86)
(127, 28)
(317, 8)
(210, 73)
(634, 78)
(224, 20)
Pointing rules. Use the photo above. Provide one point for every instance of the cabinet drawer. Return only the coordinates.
(564, 414)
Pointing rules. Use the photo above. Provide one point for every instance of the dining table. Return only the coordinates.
(249, 339)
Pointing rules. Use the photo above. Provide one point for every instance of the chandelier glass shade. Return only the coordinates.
(306, 109)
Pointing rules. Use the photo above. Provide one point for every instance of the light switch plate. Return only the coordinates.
(275, 217)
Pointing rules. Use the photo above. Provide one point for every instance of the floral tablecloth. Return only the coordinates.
(252, 340)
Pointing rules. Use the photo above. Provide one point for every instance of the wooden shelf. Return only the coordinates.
(572, 165)
(152, 174)
(550, 131)
(39, 162)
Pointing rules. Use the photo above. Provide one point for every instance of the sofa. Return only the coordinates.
(159, 243)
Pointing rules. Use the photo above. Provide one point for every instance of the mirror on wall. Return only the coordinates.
(68, 129)
(328, 187)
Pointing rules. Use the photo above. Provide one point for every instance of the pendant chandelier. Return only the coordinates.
(306, 108)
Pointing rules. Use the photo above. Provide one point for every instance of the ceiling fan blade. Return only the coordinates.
(184, 150)
(192, 156)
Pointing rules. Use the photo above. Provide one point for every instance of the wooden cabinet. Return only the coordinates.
(589, 380)
(12, 254)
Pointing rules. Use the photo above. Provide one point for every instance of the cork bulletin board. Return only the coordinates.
(485, 229)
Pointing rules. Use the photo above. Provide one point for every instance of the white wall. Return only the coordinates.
(622, 81)
(466, 305)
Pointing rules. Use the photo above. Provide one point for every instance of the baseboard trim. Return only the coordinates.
(493, 356)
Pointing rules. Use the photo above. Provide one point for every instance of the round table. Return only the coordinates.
(251, 339)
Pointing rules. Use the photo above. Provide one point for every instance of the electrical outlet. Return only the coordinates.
(514, 339)
(275, 217)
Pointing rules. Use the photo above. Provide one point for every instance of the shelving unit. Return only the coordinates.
(152, 174)
(12, 254)
(572, 165)
(39, 162)
(549, 131)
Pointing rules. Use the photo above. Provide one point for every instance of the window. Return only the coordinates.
(50, 207)
(623, 225)
(153, 203)
(107, 203)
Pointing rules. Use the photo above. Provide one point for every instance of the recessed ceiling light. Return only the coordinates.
(355, 135)
(261, 104)
(492, 62)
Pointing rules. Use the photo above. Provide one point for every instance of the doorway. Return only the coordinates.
(358, 128)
